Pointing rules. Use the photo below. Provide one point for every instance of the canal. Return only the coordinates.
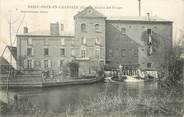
(140, 96)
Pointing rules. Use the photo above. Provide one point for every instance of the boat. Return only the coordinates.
(81, 81)
(133, 79)
(124, 78)
(37, 81)
(109, 79)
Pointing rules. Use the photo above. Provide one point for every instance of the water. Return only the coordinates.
(59, 99)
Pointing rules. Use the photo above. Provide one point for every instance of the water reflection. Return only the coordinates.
(59, 99)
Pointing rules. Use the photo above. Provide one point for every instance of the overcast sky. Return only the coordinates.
(167, 9)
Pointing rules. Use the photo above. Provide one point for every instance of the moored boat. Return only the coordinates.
(123, 78)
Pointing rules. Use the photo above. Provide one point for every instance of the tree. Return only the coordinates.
(176, 63)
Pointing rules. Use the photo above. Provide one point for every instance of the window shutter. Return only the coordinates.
(32, 52)
(102, 54)
(42, 63)
(58, 63)
(84, 40)
(25, 63)
(49, 63)
(32, 63)
(62, 41)
(149, 39)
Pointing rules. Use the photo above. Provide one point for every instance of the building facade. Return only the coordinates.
(90, 38)
(132, 42)
(138, 42)
(48, 51)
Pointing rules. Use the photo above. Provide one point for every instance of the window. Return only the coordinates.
(46, 42)
(97, 52)
(83, 27)
(62, 41)
(60, 63)
(149, 31)
(123, 52)
(62, 51)
(97, 28)
(150, 51)
(46, 51)
(72, 42)
(29, 41)
(97, 41)
(123, 30)
(46, 63)
(29, 52)
(83, 40)
(83, 53)
(90, 11)
(110, 53)
(72, 52)
(29, 63)
(149, 65)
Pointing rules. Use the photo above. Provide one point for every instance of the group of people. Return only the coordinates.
(48, 74)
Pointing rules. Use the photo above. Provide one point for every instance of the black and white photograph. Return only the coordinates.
(91, 58)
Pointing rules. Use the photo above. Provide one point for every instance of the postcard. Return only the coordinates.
(91, 58)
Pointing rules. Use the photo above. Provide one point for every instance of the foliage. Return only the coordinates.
(176, 64)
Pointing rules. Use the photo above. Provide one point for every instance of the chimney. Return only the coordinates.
(62, 27)
(148, 14)
(139, 7)
(54, 28)
(25, 30)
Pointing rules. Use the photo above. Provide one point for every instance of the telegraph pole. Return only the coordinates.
(10, 59)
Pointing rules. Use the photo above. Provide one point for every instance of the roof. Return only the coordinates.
(13, 51)
(47, 33)
(89, 12)
(138, 19)
(3, 61)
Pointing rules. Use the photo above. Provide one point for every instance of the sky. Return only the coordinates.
(19, 11)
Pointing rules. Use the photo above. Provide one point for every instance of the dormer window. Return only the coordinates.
(83, 27)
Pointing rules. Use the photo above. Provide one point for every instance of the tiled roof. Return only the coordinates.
(137, 18)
